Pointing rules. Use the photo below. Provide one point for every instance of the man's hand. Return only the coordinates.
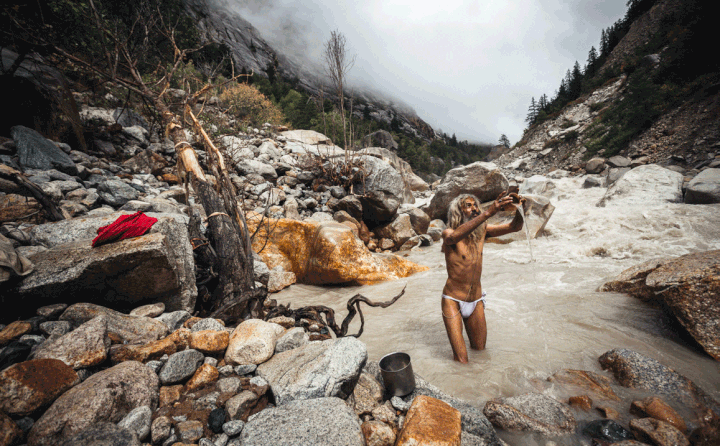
(501, 203)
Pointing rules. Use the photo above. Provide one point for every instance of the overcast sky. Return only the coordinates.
(467, 67)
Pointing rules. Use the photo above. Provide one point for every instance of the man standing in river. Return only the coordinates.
(463, 243)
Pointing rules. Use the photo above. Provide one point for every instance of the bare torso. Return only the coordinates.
(464, 268)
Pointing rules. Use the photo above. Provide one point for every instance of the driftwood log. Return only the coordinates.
(54, 212)
(316, 313)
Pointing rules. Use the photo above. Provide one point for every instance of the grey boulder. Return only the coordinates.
(315, 422)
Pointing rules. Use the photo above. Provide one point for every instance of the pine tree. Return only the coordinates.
(504, 141)
(591, 67)
(532, 112)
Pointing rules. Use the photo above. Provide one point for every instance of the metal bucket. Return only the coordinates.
(397, 373)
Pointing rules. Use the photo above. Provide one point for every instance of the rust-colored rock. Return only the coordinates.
(581, 402)
(378, 433)
(210, 341)
(170, 394)
(325, 253)
(430, 422)
(204, 375)
(14, 207)
(608, 412)
(143, 353)
(33, 384)
(14, 330)
(658, 409)
(656, 432)
(585, 381)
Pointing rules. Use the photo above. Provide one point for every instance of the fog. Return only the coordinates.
(467, 67)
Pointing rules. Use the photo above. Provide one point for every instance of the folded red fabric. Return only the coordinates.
(126, 226)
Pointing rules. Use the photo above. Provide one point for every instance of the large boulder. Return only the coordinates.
(687, 286)
(537, 185)
(307, 137)
(430, 421)
(158, 266)
(37, 152)
(382, 190)
(704, 188)
(412, 181)
(532, 412)
(538, 211)
(644, 185)
(634, 370)
(316, 422)
(105, 396)
(399, 230)
(483, 180)
(325, 253)
(316, 370)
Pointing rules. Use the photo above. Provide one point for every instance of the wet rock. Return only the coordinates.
(634, 370)
(252, 342)
(204, 375)
(14, 352)
(608, 412)
(326, 253)
(132, 329)
(367, 395)
(293, 338)
(309, 419)
(13, 331)
(607, 430)
(644, 185)
(537, 185)
(704, 188)
(708, 433)
(377, 433)
(86, 346)
(657, 432)
(615, 174)
(103, 434)
(180, 366)
(654, 407)
(430, 421)
(36, 152)
(531, 412)
(30, 385)
(687, 286)
(582, 402)
(105, 396)
(483, 180)
(138, 421)
(151, 310)
(584, 381)
(210, 341)
(316, 370)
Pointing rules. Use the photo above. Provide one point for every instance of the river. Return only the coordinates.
(545, 315)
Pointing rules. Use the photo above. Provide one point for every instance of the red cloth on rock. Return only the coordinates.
(126, 226)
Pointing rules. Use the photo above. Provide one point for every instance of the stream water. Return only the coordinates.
(544, 315)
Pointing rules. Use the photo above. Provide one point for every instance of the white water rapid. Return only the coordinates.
(545, 315)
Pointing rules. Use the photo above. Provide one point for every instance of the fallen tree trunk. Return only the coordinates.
(54, 212)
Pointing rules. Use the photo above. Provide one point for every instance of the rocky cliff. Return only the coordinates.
(219, 23)
(684, 133)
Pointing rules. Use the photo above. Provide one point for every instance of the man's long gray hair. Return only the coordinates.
(456, 217)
